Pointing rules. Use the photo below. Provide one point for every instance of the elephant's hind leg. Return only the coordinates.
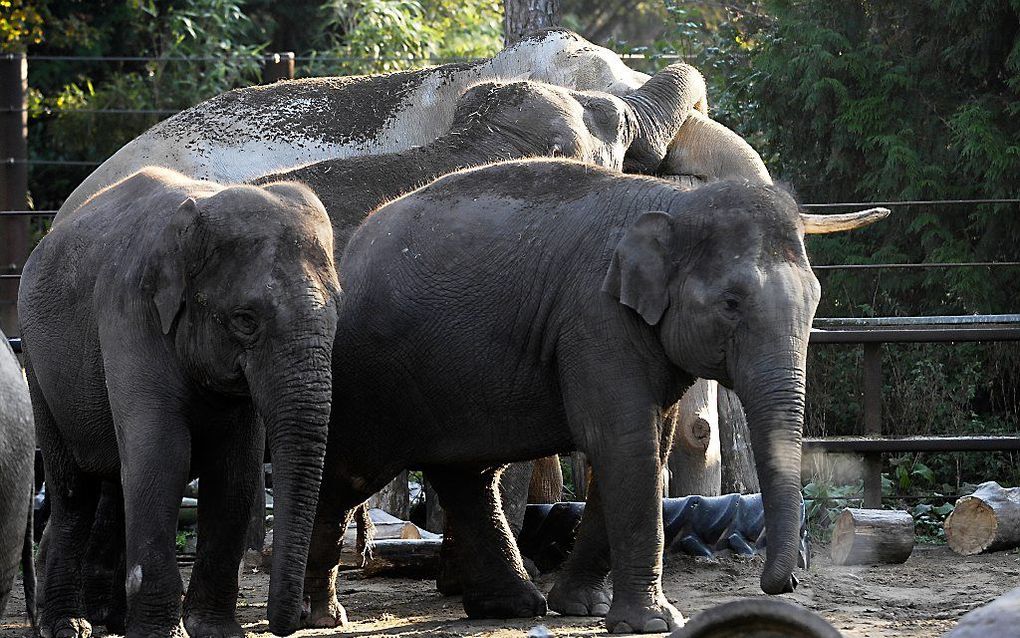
(229, 465)
(582, 587)
(103, 563)
(492, 573)
(339, 497)
(73, 499)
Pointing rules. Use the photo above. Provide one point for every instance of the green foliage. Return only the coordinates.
(823, 503)
(929, 521)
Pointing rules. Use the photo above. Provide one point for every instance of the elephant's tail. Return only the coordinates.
(366, 533)
(28, 568)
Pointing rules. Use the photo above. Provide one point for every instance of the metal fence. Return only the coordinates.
(869, 333)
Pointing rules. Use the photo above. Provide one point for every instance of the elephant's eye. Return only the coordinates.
(731, 306)
(243, 323)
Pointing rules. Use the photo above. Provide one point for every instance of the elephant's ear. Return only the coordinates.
(639, 273)
(164, 275)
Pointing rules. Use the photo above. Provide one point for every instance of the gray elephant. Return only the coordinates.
(246, 133)
(529, 308)
(157, 324)
(17, 466)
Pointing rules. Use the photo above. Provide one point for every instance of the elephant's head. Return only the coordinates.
(532, 119)
(243, 281)
(724, 279)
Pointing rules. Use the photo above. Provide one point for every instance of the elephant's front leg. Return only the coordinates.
(618, 427)
(492, 574)
(229, 464)
(155, 457)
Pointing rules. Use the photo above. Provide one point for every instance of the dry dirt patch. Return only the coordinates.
(921, 598)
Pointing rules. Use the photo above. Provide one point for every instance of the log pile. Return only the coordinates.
(869, 537)
(986, 521)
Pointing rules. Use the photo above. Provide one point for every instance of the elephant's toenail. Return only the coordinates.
(622, 628)
(599, 609)
(575, 609)
(656, 626)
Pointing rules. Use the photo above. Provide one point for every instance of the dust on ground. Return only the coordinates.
(921, 598)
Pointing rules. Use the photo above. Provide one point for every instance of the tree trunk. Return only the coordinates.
(694, 461)
(522, 16)
(870, 537)
(738, 470)
(434, 516)
(394, 498)
(546, 481)
(986, 521)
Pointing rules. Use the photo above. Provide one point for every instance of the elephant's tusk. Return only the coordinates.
(819, 224)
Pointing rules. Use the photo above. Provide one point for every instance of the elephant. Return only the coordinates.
(17, 467)
(243, 134)
(533, 307)
(168, 328)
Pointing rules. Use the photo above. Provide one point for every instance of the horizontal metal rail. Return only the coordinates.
(941, 320)
(899, 444)
(917, 334)
(919, 265)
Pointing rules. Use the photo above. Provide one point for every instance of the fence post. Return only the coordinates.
(873, 423)
(278, 66)
(14, 230)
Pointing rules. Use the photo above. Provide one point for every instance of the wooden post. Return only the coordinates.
(546, 481)
(15, 236)
(869, 537)
(522, 16)
(394, 498)
(986, 521)
(694, 461)
(739, 474)
(278, 66)
(873, 423)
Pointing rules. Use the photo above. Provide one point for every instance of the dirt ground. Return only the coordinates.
(921, 598)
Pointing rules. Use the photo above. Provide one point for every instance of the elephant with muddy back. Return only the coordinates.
(530, 308)
(157, 323)
(250, 132)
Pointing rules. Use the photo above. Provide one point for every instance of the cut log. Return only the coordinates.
(986, 521)
(407, 558)
(694, 462)
(738, 471)
(869, 537)
(546, 481)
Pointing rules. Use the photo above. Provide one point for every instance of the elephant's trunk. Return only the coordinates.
(660, 107)
(774, 403)
(294, 401)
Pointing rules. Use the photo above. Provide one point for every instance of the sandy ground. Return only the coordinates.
(921, 598)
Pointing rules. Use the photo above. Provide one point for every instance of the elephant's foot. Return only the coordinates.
(323, 614)
(116, 621)
(643, 618)
(65, 628)
(173, 631)
(577, 597)
(200, 625)
(523, 601)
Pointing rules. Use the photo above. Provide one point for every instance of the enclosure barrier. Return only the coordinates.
(872, 333)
